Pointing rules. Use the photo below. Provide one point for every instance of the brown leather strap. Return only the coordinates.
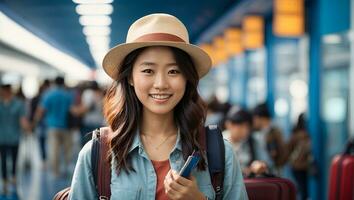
(202, 138)
(104, 166)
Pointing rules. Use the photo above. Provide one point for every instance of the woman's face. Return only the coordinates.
(157, 80)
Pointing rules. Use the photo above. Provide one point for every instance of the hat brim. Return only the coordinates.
(113, 59)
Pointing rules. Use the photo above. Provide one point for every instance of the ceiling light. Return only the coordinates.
(98, 49)
(92, 1)
(94, 9)
(93, 40)
(93, 20)
(38, 48)
(96, 30)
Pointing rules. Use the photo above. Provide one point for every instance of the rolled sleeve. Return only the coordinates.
(82, 185)
(234, 187)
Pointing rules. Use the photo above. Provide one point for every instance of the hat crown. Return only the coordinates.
(157, 23)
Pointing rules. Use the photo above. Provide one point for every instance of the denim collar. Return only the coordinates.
(137, 142)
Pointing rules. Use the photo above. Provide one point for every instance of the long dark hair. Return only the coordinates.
(123, 110)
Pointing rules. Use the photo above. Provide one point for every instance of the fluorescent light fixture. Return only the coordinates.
(96, 30)
(95, 20)
(27, 42)
(93, 40)
(98, 50)
(94, 9)
(92, 1)
(332, 39)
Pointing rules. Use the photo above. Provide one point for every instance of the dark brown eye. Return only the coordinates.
(148, 71)
(174, 71)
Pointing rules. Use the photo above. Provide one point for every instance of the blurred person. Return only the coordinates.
(13, 123)
(91, 101)
(19, 94)
(54, 107)
(40, 129)
(269, 137)
(238, 131)
(155, 114)
(300, 156)
(214, 112)
(75, 117)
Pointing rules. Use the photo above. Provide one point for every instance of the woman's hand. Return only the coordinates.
(177, 187)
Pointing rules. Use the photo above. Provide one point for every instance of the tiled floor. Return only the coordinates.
(37, 182)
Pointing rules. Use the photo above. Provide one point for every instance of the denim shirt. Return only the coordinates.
(141, 184)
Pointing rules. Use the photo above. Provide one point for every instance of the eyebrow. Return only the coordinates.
(154, 64)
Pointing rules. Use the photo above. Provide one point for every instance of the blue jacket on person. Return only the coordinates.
(56, 103)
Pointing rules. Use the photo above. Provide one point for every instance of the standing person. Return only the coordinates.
(55, 107)
(155, 113)
(300, 157)
(41, 129)
(270, 137)
(12, 122)
(91, 100)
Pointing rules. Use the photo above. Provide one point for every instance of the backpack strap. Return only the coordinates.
(214, 145)
(215, 149)
(101, 168)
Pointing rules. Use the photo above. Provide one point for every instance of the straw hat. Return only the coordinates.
(156, 30)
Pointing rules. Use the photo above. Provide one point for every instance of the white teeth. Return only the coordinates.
(160, 96)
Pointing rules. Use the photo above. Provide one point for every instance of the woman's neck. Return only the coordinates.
(159, 125)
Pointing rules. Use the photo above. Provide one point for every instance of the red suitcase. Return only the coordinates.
(341, 184)
(270, 189)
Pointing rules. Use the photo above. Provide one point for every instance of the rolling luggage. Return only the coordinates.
(270, 188)
(341, 184)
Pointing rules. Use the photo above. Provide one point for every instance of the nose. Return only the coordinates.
(160, 82)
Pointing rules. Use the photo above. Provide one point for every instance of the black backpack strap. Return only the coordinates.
(95, 154)
(101, 168)
(215, 149)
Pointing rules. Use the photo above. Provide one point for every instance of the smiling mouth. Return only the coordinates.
(160, 96)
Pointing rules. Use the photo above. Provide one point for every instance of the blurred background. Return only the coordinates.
(291, 57)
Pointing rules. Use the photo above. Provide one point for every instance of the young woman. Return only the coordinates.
(155, 113)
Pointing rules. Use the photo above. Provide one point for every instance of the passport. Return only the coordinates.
(189, 165)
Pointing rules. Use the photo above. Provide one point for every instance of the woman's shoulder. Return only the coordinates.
(229, 150)
(85, 154)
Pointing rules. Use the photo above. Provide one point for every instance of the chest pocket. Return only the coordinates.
(126, 186)
(123, 193)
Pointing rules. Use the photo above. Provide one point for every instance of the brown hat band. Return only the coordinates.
(152, 37)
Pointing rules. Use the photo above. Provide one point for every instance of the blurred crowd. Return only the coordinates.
(260, 145)
(53, 118)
